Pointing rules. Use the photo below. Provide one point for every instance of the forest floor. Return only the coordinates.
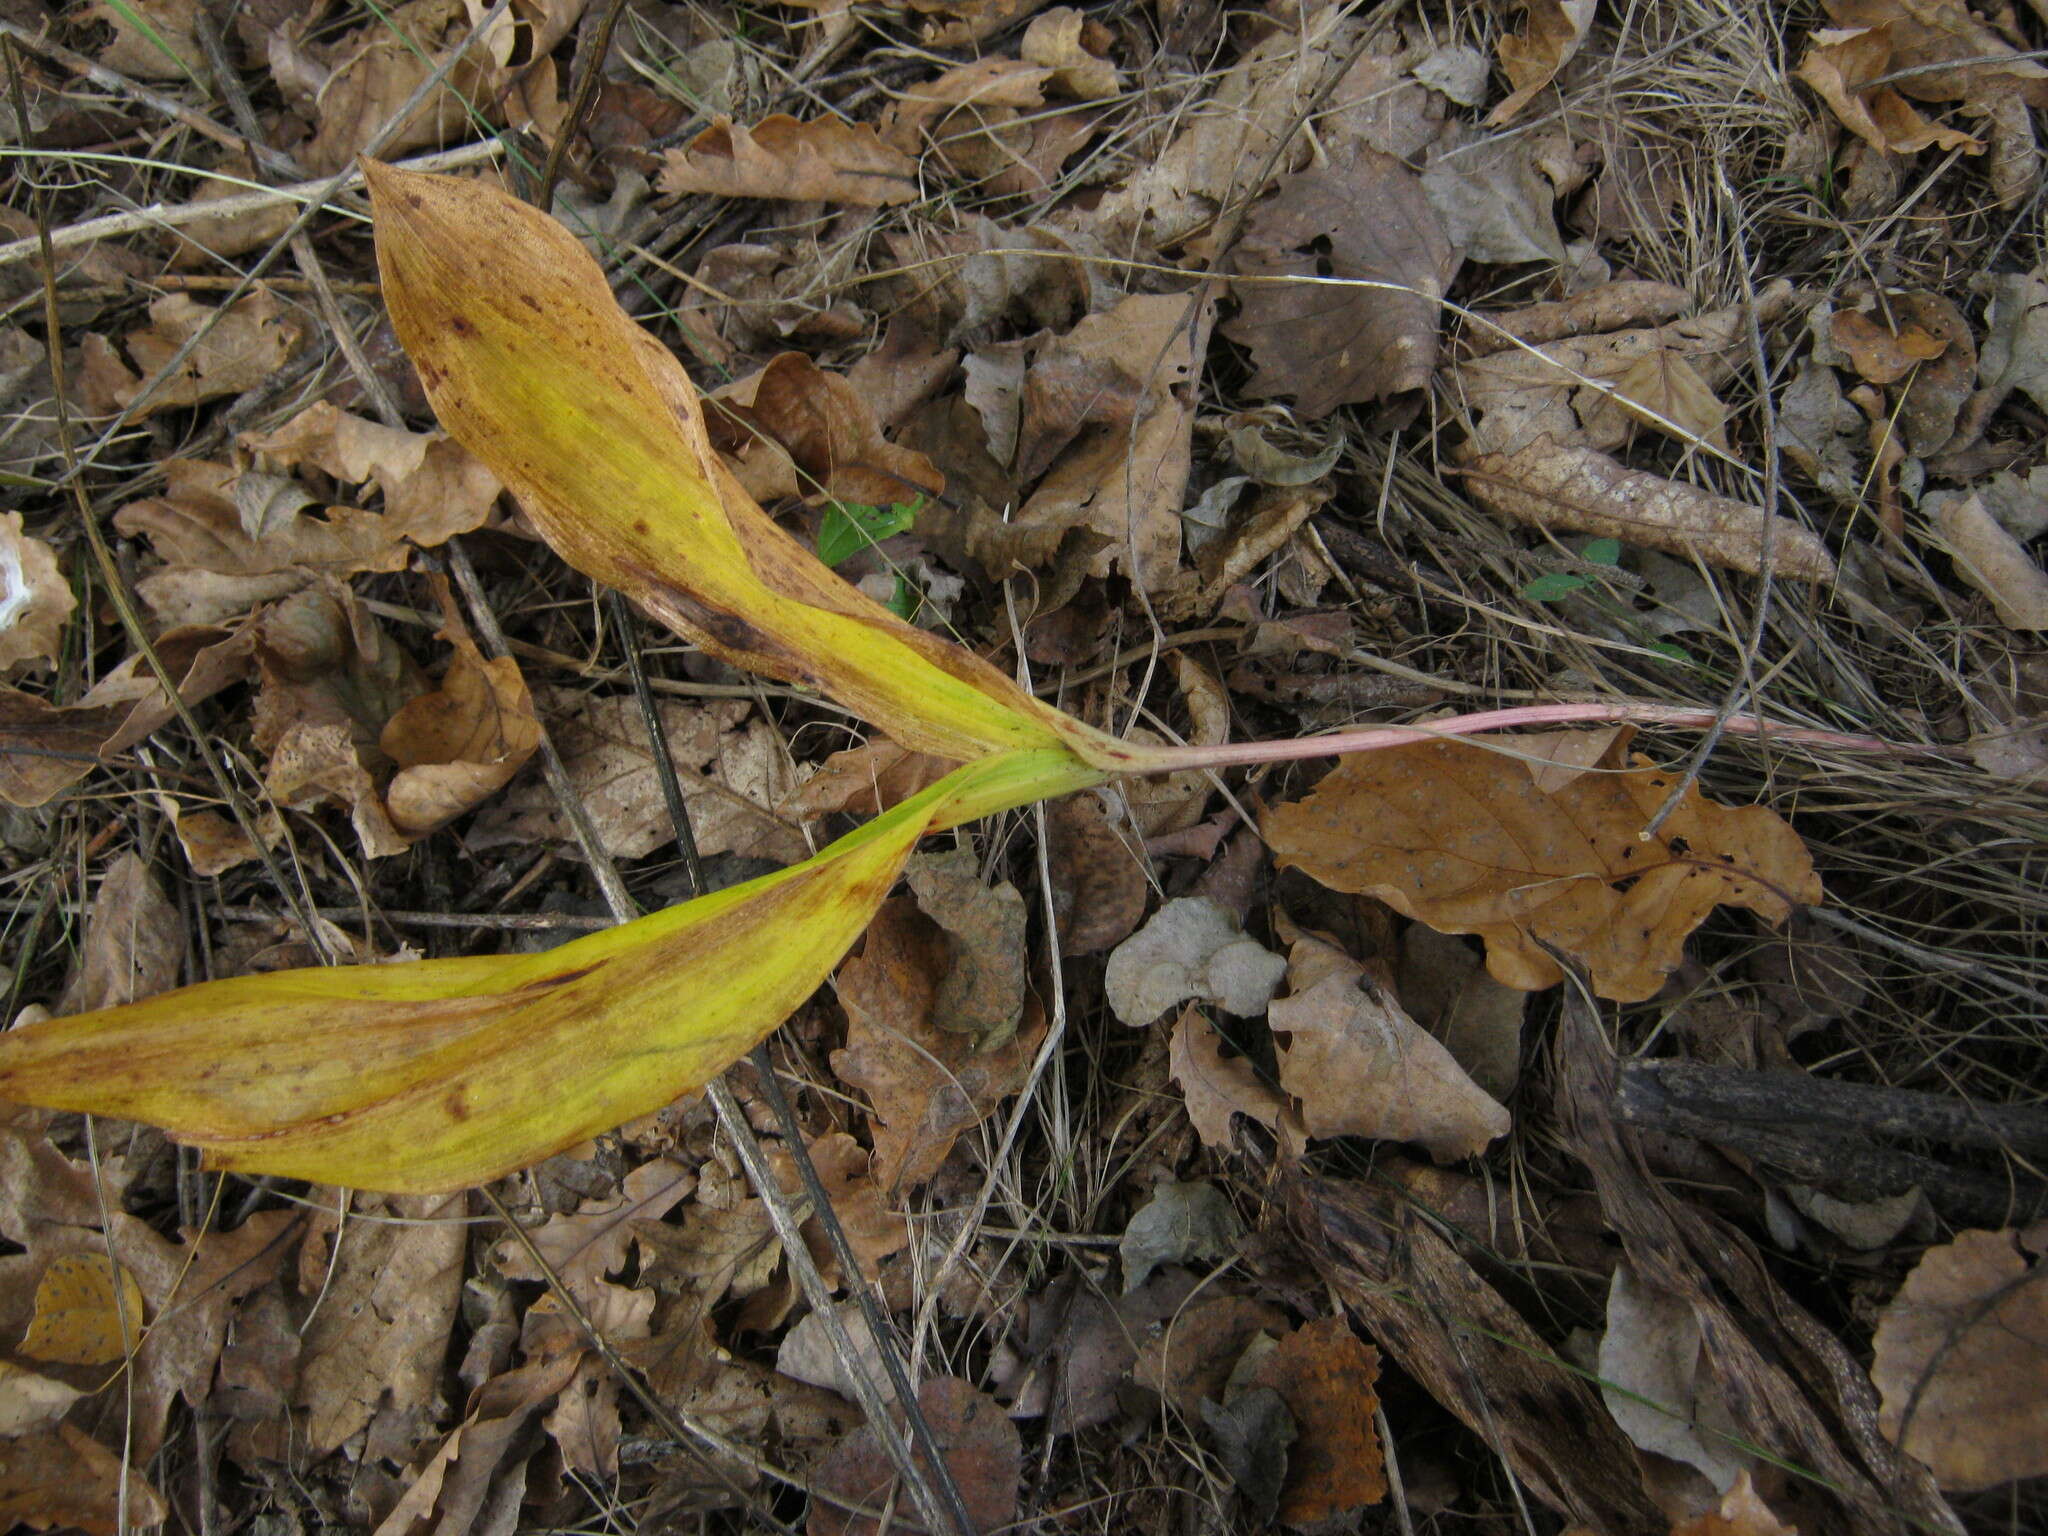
(1397, 1144)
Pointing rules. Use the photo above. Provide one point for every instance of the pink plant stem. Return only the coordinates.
(1373, 737)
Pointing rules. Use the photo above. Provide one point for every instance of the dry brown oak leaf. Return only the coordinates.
(1462, 839)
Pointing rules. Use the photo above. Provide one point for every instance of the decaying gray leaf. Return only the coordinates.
(1192, 947)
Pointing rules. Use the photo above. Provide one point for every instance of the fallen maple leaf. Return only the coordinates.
(828, 159)
(1464, 840)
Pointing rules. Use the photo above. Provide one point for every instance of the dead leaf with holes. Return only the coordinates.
(88, 1311)
(924, 1085)
(826, 159)
(249, 342)
(35, 599)
(1323, 343)
(793, 429)
(586, 1246)
(1962, 1358)
(1464, 840)
(1357, 1065)
(1552, 32)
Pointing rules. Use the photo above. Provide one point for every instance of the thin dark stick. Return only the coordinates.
(593, 71)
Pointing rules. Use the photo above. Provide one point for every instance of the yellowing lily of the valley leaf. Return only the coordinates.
(533, 367)
(438, 1074)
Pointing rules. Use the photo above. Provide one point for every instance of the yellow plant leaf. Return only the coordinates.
(88, 1312)
(533, 367)
(1466, 841)
(438, 1074)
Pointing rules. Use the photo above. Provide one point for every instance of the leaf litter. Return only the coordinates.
(1445, 306)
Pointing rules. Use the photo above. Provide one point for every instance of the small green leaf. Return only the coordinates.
(1549, 588)
(851, 526)
(1675, 652)
(1603, 552)
(905, 600)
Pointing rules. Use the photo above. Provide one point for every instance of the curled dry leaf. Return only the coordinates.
(1962, 1361)
(981, 994)
(1255, 105)
(1143, 359)
(732, 767)
(392, 1283)
(1881, 355)
(63, 1478)
(1609, 307)
(152, 39)
(1099, 880)
(1075, 50)
(506, 75)
(1373, 336)
(827, 159)
(253, 338)
(1660, 1386)
(432, 488)
(35, 599)
(460, 744)
(1216, 1087)
(1580, 490)
(792, 429)
(1552, 33)
(1464, 840)
(1842, 65)
(1742, 1512)
(1993, 561)
(215, 567)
